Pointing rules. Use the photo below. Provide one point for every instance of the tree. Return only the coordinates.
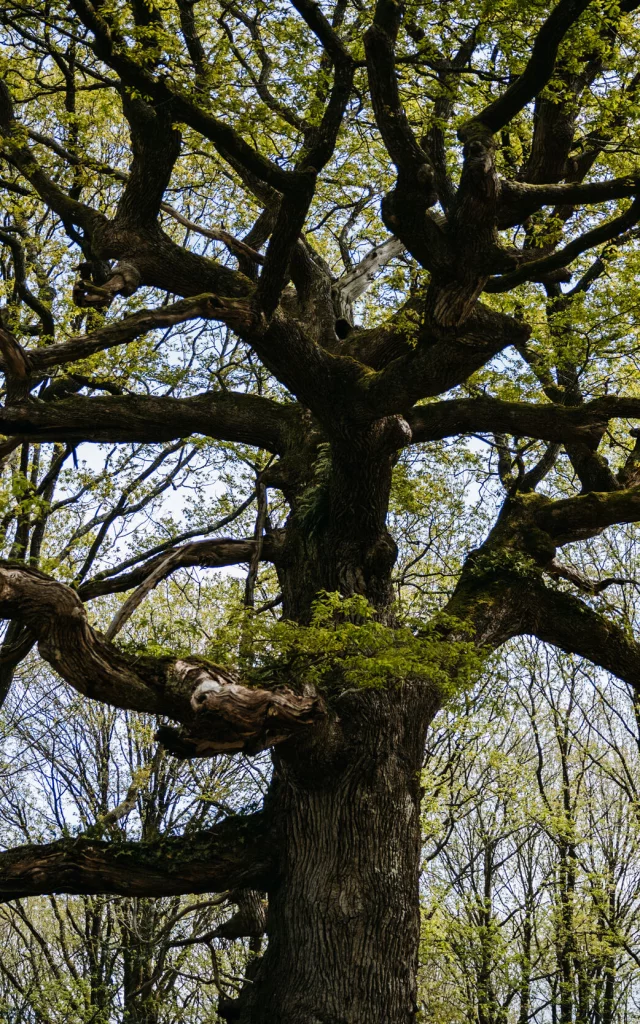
(505, 311)
(531, 888)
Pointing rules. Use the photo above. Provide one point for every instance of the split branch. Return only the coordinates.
(355, 282)
(207, 554)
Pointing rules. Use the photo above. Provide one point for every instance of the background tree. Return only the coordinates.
(531, 882)
(83, 768)
(230, 165)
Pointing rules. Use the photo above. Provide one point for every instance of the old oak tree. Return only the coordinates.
(420, 223)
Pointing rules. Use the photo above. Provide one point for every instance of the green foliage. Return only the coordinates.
(313, 507)
(346, 646)
(503, 562)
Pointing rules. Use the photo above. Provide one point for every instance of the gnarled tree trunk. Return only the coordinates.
(343, 920)
(337, 844)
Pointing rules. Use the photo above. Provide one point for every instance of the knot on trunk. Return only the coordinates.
(124, 279)
(230, 716)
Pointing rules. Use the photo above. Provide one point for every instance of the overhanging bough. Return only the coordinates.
(218, 712)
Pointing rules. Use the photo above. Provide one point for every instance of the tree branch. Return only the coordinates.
(235, 853)
(519, 200)
(587, 515)
(206, 307)
(155, 147)
(15, 360)
(22, 288)
(323, 30)
(164, 91)
(234, 245)
(209, 554)
(398, 136)
(534, 270)
(218, 711)
(585, 583)
(225, 415)
(569, 623)
(583, 424)
(20, 156)
(173, 542)
(443, 108)
(319, 145)
(431, 365)
(500, 605)
(537, 72)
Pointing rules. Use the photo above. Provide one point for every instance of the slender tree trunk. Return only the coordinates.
(140, 1002)
(489, 1011)
(526, 953)
(343, 923)
(97, 938)
(584, 990)
(567, 888)
(609, 991)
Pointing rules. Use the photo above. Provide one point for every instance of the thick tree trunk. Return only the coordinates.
(343, 922)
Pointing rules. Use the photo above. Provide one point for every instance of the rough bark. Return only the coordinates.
(236, 853)
(343, 920)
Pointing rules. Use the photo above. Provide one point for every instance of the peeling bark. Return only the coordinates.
(230, 717)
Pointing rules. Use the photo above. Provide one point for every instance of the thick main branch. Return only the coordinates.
(502, 605)
(236, 853)
(219, 711)
(548, 422)
(225, 415)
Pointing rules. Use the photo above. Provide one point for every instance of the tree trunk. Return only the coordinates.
(609, 991)
(138, 948)
(526, 960)
(344, 921)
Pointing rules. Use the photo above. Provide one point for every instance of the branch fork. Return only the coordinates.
(125, 279)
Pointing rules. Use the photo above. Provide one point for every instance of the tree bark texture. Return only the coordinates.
(344, 916)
